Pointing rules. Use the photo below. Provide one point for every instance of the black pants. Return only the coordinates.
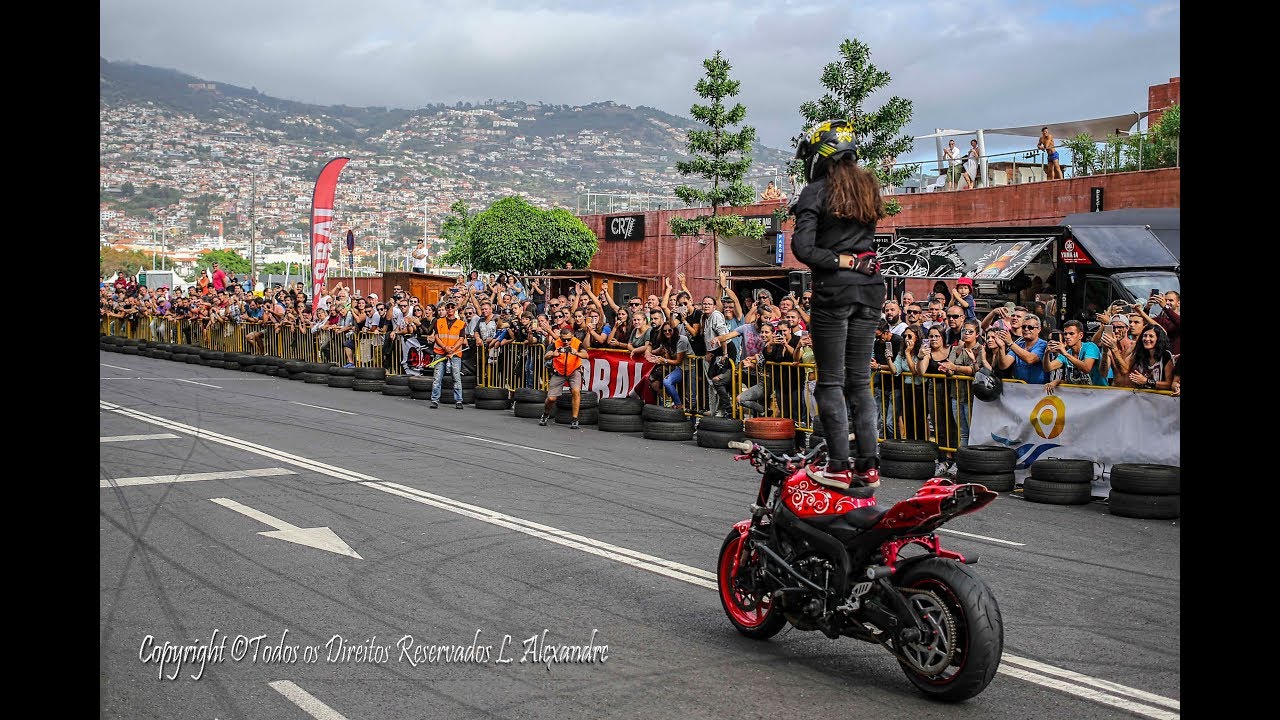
(843, 338)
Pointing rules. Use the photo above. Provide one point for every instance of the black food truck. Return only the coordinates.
(1078, 268)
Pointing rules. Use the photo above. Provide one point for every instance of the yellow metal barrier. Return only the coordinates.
(512, 366)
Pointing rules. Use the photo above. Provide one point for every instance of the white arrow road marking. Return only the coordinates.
(192, 477)
(116, 367)
(128, 438)
(522, 447)
(321, 538)
(1008, 665)
(306, 701)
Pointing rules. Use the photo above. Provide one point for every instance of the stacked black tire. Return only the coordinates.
(989, 465)
(908, 459)
(396, 386)
(588, 408)
(530, 403)
(716, 432)
(1059, 481)
(1142, 490)
(488, 398)
(621, 415)
(340, 377)
(774, 434)
(368, 379)
(664, 423)
(420, 387)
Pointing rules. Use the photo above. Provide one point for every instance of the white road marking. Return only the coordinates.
(1089, 693)
(344, 412)
(193, 382)
(305, 700)
(981, 537)
(116, 367)
(321, 538)
(523, 447)
(1103, 684)
(128, 438)
(192, 477)
(667, 568)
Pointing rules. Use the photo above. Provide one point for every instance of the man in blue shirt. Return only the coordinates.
(1025, 354)
(1080, 362)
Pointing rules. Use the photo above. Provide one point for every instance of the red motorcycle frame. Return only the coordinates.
(833, 560)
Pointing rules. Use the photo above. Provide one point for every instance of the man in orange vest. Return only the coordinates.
(450, 342)
(566, 358)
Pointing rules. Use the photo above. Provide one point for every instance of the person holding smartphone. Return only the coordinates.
(1072, 360)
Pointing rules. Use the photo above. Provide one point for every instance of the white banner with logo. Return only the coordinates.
(1105, 426)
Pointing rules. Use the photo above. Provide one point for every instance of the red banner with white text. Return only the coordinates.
(614, 373)
(322, 226)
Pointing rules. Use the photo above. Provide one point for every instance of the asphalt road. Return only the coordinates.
(447, 523)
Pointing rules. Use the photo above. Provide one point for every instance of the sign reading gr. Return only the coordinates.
(624, 227)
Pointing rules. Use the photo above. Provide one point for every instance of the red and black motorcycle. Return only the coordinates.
(833, 560)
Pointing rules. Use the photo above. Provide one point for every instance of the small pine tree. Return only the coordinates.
(849, 82)
(712, 150)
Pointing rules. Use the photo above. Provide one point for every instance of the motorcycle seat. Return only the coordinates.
(861, 518)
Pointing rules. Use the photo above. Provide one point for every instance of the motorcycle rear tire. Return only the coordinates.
(756, 625)
(979, 629)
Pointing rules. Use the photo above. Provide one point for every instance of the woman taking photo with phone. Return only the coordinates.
(836, 216)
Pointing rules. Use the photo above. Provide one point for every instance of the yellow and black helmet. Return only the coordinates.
(824, 144)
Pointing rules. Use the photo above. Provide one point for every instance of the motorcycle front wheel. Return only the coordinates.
(751, 614)
(961, 658)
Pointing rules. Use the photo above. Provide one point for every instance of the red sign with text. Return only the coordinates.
(614, 373)
(1074, 254)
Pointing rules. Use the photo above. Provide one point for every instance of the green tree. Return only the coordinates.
(127, 189)
(230, 260)
(505, 237)
(456, 233)
(566, 239)
(127, 262)
(849, 81)
(713, 151)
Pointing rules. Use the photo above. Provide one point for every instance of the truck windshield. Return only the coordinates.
(1140, 284)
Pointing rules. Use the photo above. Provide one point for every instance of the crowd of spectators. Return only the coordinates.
(924, 351)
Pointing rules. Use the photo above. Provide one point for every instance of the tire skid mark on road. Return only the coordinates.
(666, 568)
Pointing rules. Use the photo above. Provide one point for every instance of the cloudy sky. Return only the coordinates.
(965, 65)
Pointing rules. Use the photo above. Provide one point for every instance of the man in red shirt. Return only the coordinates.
(219, 278)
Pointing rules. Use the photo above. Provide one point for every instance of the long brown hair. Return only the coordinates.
(854, 193)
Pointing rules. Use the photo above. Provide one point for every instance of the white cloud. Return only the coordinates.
(971, 64)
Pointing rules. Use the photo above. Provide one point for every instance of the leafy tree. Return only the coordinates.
(1128, 153)
(127, 262)
(230, 260)
(456, 233)
(849, 81)
(504, 237)
(126, 189)
(566, 240)
(712, 150)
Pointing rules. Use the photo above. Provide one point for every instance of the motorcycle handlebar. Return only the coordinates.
(743, 446)
(758, 453)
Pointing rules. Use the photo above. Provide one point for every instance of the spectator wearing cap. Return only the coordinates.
(962, 295)
(1117, 349)
(449, 345)
(566, 356)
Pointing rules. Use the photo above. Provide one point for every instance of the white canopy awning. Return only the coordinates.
(1098, 128)
(947, 133)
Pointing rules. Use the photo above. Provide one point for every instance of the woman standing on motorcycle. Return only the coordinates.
(835, 226)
